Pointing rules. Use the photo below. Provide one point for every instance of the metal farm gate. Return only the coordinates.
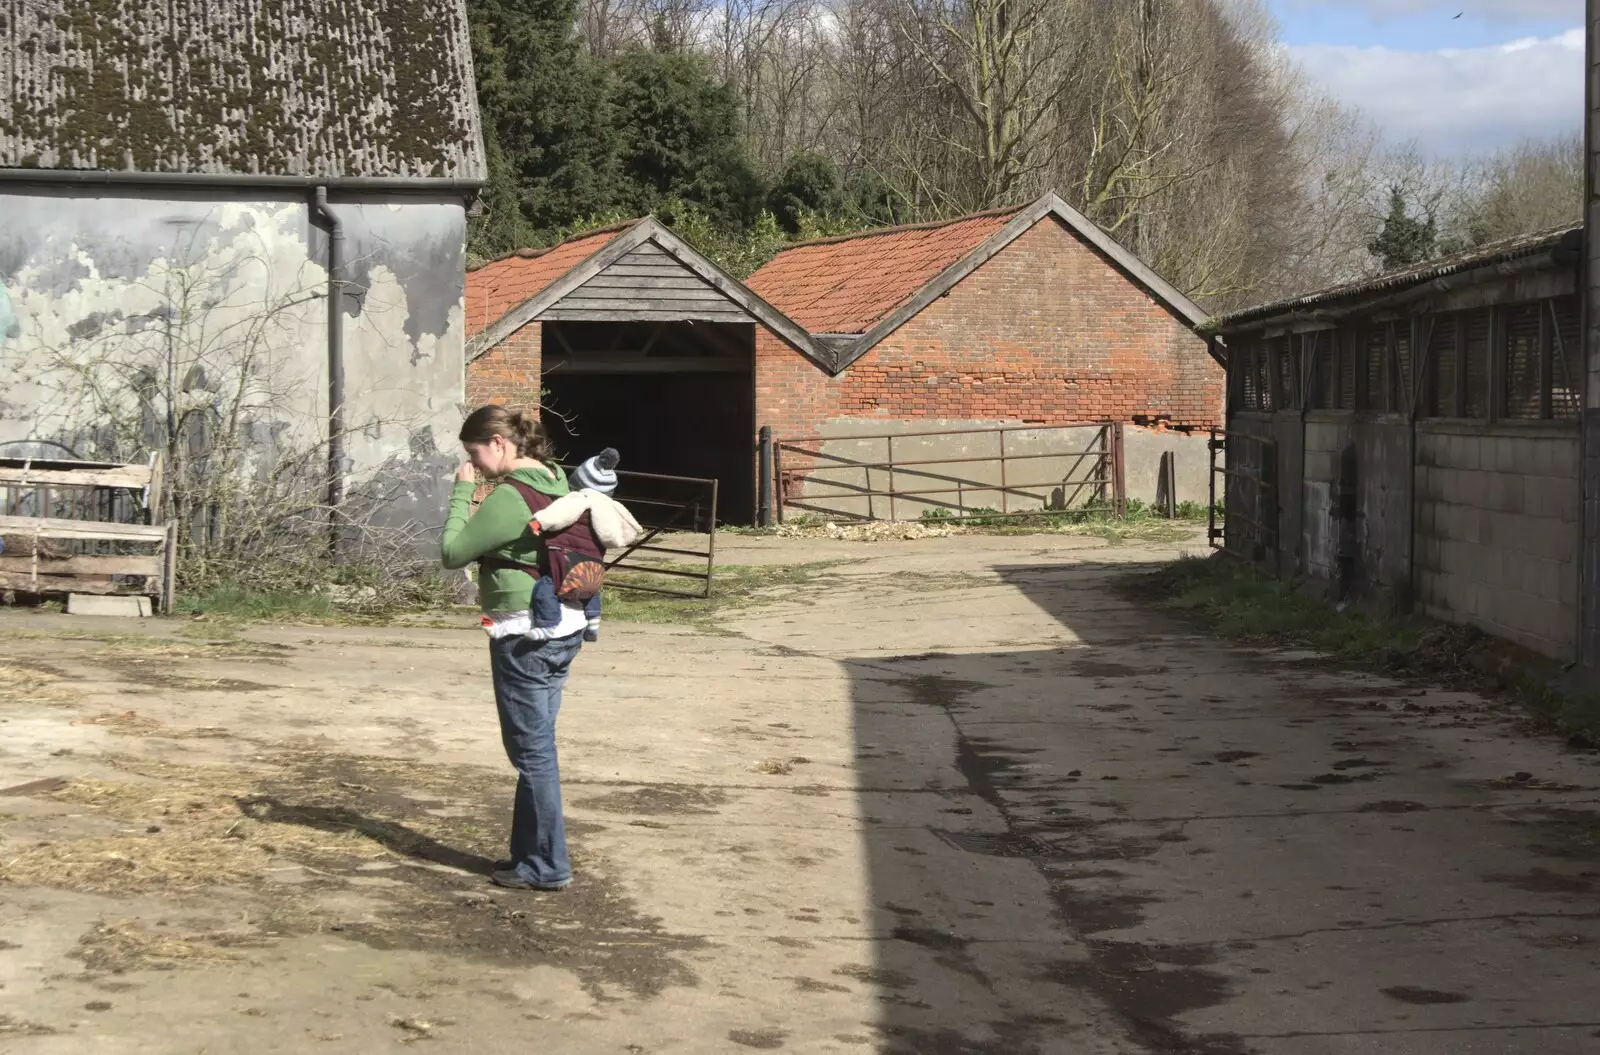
(1247, 466)
(679, 544)
(959, 474)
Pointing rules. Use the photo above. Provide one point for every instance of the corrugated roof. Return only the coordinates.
(846, 285)
(353, 88)
(500, 285)
(1440, 267)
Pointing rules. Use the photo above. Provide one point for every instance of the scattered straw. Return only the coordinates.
(123, 945)
(127, 722)
(780, 766)
(20, 684)
(10, 1025)
(184, 833)
(868, 531)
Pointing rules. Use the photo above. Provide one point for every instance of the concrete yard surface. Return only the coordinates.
(959, 795)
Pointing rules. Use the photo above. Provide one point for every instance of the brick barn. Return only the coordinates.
(1022, 316)
(640, 343)
(1030, 317)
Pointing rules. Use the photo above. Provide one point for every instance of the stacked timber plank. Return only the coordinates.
(77, 506)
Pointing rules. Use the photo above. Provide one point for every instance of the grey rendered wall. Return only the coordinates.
(86, 276)
(1498, 526)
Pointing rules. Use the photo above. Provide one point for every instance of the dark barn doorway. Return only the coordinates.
(675, 398)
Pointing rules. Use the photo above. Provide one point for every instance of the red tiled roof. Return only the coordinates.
(845, 285)
(500, 285)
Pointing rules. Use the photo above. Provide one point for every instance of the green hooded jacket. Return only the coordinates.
(498, 529)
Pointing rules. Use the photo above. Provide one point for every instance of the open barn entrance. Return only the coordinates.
(675, 398)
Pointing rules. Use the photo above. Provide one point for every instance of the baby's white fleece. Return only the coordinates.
(520, 624)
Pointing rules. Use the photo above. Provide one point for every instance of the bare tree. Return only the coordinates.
(1533, 186)
(1006, 64)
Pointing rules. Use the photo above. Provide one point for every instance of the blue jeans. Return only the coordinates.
(528, 677)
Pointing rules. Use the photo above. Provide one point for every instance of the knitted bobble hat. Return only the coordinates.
(599, 473)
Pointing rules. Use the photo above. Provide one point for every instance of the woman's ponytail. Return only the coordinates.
(522, 429)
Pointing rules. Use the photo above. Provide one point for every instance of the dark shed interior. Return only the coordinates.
(674, 398)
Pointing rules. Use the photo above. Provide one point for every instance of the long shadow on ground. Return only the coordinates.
(1135, 840)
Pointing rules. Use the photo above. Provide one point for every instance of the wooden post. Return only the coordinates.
(764, 484)
(1119, 479)
(1167, 485)
(169, 568)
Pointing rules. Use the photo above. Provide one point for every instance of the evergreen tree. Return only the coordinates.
(1405, 240)
(680, 136)
(809, 183)
(551, 146)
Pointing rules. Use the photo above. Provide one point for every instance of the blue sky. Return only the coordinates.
(1505, 70)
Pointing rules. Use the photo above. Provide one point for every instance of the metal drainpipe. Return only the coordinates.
(335, 361)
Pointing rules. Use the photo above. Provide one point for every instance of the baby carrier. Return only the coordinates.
(575, 557)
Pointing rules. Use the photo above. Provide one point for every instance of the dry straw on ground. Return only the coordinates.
(183, 829)
(867, 531)
(19, 684)
(126, 944)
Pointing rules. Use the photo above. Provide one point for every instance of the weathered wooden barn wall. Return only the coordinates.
(1448, 480)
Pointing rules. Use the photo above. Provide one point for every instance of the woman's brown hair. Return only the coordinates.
(523, 430)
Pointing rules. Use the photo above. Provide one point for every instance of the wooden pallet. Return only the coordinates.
(39, 570)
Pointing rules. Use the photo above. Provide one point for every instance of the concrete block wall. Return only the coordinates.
(1498, 524)
(511, 373)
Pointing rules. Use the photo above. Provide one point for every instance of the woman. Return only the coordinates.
(506, 445)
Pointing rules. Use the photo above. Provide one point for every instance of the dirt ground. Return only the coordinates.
(956, 796)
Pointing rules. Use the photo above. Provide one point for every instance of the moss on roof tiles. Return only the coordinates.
(281, 87)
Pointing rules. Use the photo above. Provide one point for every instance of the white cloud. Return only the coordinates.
(1497, 10)
(1456, 100)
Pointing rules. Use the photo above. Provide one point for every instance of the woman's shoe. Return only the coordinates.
(511, 879)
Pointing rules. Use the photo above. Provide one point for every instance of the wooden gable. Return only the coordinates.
(646, 284)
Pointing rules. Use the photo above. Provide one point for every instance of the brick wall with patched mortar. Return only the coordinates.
(1045, 332)
(509, 373)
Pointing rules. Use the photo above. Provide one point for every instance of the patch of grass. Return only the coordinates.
(1141, 522)
(1575, 714)
(733, 587)
(1242, 603)
(236, 602)
(1121, 533)
(359, 597)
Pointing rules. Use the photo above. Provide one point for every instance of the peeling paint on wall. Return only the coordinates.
(95, 286)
